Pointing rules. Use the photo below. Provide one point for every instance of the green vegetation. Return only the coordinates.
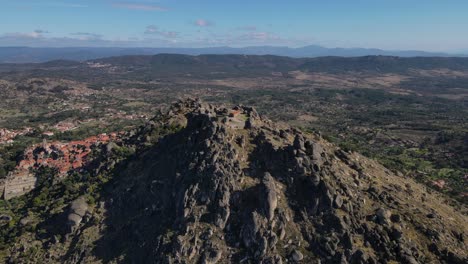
(416, 125)
(42, 211)
(10, 154)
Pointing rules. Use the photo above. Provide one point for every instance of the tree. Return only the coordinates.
(3, 173)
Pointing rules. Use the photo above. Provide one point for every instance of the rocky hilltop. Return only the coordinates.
(226, 185)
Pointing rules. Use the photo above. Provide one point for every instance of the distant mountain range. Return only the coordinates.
(231, 65)
(27, 54)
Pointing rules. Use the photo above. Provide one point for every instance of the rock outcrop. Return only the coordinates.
(233, 187)
(271, 199)
(230, 186)
(78, 209)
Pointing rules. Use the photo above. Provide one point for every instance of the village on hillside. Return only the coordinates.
(63, 157)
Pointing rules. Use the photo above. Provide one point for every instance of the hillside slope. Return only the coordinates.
(232, 63)
(224, 185)
(165, 64)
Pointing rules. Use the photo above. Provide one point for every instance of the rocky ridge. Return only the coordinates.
(231, 186)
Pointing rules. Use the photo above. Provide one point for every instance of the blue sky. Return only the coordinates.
(433, 25)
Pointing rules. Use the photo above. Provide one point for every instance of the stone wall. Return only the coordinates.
(18, 184)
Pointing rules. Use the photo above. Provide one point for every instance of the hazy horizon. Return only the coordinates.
(233, 47)
(432, 26)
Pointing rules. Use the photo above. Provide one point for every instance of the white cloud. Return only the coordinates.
(79, 39)
(247, 28)
(87, 36)
(154, 37)
(203, 23)
(154, 30)
(151, 29)
(38, 33)
(259, 36)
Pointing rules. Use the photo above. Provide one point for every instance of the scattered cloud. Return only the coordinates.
(24, 40)
(153, 36)
(260, 36)
(81, 39)
(40, 31)
(20, 35)
(154, 30)
(151, 29)
(247, 28)
(203, 23)
(87, 35)
(236, 39)
(136, 6)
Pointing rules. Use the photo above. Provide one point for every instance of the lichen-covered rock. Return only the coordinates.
(78, 209)
(299, 142)
(212, 257)
(383, 216)
(297, 255)
(271, 201)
